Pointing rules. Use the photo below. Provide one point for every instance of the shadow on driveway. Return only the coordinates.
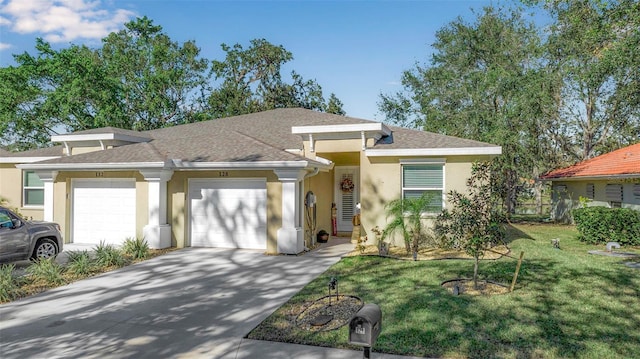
(188, 303)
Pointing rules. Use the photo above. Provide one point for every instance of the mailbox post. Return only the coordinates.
(365, 327)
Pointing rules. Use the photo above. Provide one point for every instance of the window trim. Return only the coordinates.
(26, 188)
(426, 162)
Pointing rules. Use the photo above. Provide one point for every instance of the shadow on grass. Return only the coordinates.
(559, 309)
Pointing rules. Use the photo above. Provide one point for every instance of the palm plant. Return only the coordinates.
(406, 217)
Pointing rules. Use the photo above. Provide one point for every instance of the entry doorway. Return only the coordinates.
(347, 195)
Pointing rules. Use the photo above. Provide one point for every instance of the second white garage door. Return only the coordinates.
(103, 210)
(228, 213)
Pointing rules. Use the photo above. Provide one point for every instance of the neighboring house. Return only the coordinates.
(611, 180)
(237, 182)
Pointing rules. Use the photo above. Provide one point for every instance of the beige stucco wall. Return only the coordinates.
(177, 213)
(322, 186)
(11, 190)
(381, 183)
(564, 202)
(87, 149)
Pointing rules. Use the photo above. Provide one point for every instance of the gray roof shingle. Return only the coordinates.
(262, 136)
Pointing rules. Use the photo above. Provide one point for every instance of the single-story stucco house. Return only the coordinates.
(611, 180)
(240, 182)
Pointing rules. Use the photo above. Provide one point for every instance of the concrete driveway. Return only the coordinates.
(191, 303)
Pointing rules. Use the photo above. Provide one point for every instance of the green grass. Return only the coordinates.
(567, 304)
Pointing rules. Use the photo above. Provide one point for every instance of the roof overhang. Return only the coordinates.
(92, 166)
(459, 151)
(261, 165)
(97, 139)
(371, 130)
(26, 159)
(180, 165)
(92, 137)
(593, 178)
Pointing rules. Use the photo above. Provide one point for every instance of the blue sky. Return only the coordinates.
(355, 49)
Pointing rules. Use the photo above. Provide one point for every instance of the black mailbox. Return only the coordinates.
(365, 326)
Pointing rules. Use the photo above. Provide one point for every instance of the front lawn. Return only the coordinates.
(567, 303)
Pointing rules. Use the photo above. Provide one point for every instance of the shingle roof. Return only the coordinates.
(54, 151)
(406, 138)
(624, 161)
(262, 136)
(134, 153)
(272, 127)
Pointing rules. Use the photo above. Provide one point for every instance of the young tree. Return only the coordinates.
(473, 222)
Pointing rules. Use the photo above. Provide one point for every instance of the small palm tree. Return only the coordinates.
(406, 217)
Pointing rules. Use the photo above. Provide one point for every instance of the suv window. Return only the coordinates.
(5, 219)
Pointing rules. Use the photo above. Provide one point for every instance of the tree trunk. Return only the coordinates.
(475, 273)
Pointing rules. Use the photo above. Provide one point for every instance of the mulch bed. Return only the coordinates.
(329, 312)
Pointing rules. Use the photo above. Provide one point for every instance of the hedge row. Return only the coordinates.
(599, 225)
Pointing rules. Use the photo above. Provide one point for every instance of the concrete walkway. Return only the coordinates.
(191, 303)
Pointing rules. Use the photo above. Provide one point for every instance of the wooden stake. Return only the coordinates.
(515, 275)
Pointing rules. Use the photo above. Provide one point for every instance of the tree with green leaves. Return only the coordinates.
(594, 45)
(480, 84)
(51, 92)
(139, 80)
(160, 82)
(334, 105)
(472, 222)
(251, 81)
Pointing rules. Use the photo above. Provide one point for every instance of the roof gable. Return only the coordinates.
(622, 162)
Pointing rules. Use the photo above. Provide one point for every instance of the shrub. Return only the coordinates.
(8, 286)
(79, 263)
(136, 248)
(47, 272)
(598, 225)
(108, 255)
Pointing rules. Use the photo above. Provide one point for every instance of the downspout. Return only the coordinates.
(312, 173)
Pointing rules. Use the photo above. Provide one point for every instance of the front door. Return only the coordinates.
(347, 195)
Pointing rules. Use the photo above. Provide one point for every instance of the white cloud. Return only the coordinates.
(4, 21)
(62, 20)
(4, 46)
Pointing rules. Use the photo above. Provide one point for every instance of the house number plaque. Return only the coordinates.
(99, 174)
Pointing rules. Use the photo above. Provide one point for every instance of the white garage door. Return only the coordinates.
(228, 213)
(103, 210)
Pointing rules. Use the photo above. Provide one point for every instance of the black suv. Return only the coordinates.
(21, 239)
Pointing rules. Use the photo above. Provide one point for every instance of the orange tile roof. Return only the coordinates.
(624, 161)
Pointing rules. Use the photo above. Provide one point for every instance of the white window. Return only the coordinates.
(424, 178)
(32, 189)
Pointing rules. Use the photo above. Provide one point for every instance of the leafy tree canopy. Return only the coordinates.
(140, 79)
(252, 81)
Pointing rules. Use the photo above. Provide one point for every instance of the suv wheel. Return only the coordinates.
(45, 249)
